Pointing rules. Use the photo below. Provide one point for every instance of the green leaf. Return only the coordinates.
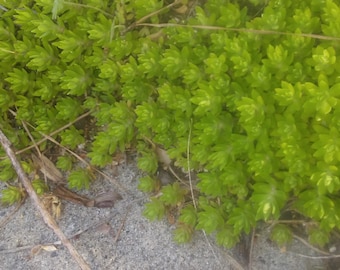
(281, 234)
(11, 195)
(102, 31)
(6, 170)
(231, 16)
(191, 74)
(24, 18)
(41, 57)
(215, 64)
(148, 162)
(72, 45)
(5, 100)
(146, 7)
(57, 7)
(79, 179)
(68, 108)
(227, 237)
(313, 204)
(324, 59)
(318, 237)
(20, 80)
(154, 210)
(102, 148)
(173, 62)
(326, 178)
(172, 194)
(45, 28)
(242, 218)
(328, 146)
(75, 80)
(188, 215)
(211, 184)
(99, 159)
(64, 163)
(269, 200)
(45, 89)
(183, 233)
(210, 219)
(207, 99)
(147, 184)
(39, 186)
(72, 137)
(286, 95)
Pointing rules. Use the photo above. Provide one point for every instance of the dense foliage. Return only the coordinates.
(245, 93)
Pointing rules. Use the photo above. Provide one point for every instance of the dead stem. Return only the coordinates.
(122, 224)
(6, 219)
(243, 30)
(250, 259)
(52, 133)
(303, 241)
(48, 219)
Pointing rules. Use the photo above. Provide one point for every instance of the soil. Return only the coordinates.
(121, 238)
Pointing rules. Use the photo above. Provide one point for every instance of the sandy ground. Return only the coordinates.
(139, 244)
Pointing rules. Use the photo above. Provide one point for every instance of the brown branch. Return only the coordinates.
(48, 137)
(52, 133)
(122, 225)
(250, 259)
(45, 214)
(240, 30)
(11, 214)
(317, 257)
(143, 19)
(303, 241)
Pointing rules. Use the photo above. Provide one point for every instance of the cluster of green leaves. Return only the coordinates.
(258, 108)
(59, 60)
(263, 110)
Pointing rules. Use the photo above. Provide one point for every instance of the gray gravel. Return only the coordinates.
(140, 245)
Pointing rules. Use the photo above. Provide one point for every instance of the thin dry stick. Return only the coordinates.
(122, 224)
(11, 214)
(143, 19)
(90, 7)
(55, 243)
(235, 264)
(85, 162)
(34, 144)
(191, 188)
(52, 133)
(188, 163)
(244, 30)
(45, 214)
(48, 137)
(250, 262)
(303, 241)
(317, 257)
(288, 221)
(31, 138)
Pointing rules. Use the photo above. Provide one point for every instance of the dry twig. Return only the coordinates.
(250, 259)
(56, 243)
(52, 133)
(143, 19)
(45, 214)
(11, 214)
(317, 257)
(122, 224)
(234, 263)
(303, 241)
(49, 137)
(240, 30)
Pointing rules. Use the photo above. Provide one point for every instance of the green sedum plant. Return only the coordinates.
(245, 93)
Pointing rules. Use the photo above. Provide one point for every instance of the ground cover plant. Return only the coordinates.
(238, 99)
